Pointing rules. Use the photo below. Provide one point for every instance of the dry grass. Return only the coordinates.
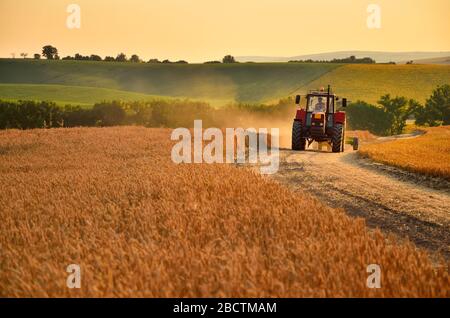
(112, 201)
(428, 154)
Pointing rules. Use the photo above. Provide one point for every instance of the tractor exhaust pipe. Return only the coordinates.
(328, 97)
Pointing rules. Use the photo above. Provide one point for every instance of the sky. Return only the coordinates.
(202, 30)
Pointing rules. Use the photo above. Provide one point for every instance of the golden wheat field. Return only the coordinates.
(111, 200)
(428, 154)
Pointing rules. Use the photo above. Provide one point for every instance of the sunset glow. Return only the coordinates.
(200, 30)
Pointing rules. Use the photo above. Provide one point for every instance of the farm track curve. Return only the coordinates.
(400, 203)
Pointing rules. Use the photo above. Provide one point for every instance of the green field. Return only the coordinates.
(65, 94)
(369, 82)
(85, 82)
(224, 82)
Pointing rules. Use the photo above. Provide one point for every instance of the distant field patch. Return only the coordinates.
(63, 94)
(243, 82)
(220, 84)
(369, 82)
(428, 154)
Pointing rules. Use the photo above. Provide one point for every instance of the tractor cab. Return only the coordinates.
(319, 121)
(317, 104)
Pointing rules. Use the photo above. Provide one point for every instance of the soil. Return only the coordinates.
(410, 206)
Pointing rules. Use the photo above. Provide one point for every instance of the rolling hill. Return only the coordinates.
(210, 82)
(380, 57)
(84, 82)
(369, 82)
(439, 60)
(65, 94)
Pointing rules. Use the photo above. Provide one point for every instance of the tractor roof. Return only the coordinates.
(322, 94)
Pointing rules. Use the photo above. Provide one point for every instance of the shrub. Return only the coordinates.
(109, 114)
(364, 116)
(437, 108)
(30, 114)
(76, 116)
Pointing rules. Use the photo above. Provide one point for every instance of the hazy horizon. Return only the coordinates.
(203, 30)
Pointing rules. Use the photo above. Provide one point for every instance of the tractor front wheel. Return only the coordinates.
(298, 142)
(337, 139)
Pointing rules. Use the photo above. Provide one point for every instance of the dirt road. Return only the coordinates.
(397, 202)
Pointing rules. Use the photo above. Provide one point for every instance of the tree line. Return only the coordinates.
(390, 114)
(32, 114)
(388, 117)
(349, 60)
(51, 53)
(155, 113)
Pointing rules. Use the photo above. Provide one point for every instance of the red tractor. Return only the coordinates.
(319, 121)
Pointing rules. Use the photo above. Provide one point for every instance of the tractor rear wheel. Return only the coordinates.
(337, 140)
(298, 142)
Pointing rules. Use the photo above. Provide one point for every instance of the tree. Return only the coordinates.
(24, 55)
(121, 57)
(109, 114)
(109, 59)
(94, 57)
(228, 59)
(154, 61)
(166, 61)
(440, 101)
(135, 58)
(437, 108)
(80, 57)
(29, 114)
(398, 110)
(423, 116)
(37, 56)
(50, 52)
(364, 116)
